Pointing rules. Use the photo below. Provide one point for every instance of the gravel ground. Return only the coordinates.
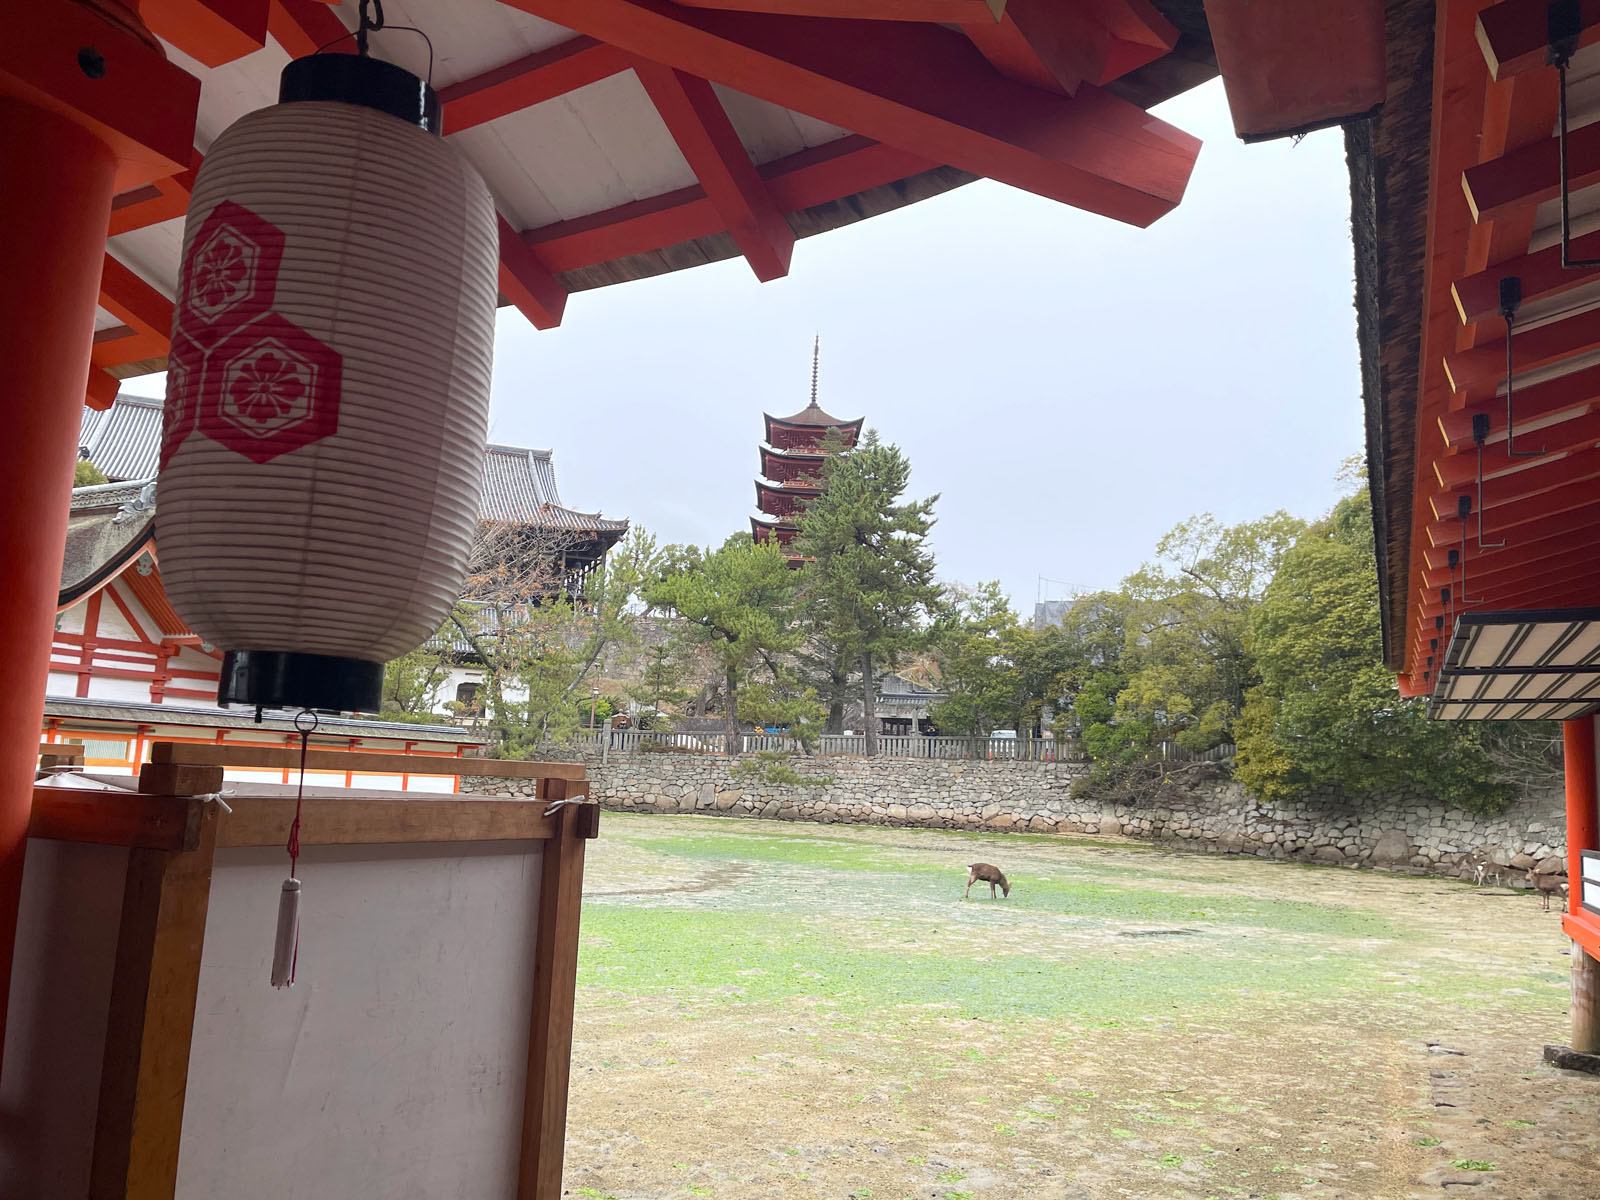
(778, 1010)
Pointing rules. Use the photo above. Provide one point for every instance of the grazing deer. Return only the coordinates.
(1483, 868)
(984, 873)
(1547, 885)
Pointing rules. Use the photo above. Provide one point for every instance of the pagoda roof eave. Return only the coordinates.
(800, 422)
(796, 455)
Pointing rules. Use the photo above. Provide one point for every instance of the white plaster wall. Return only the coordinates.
(394, 1068)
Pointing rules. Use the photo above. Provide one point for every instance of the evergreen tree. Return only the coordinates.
(739, 601)
(1327, 711)
(869, 588)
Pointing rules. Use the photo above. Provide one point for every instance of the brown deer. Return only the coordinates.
(1484, 868)
(984, 873)
(1547, 885)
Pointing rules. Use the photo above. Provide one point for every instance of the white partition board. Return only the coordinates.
(67, 926)
(394, 1069)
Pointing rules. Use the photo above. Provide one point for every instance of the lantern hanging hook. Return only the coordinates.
(370, 19)
(1463, 510)
(1510, 301)
(1480, 434)
(1563, 27)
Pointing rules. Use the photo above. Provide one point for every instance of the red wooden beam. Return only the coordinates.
(1572, 393)
(1537, 591)
(840, 168)
(700, 126)
(1477, 296)
(1530, 555)
(920, 87)
(1515, 35)
(530, 80)
(1531, 175)
(1546, 481)
(1480, 372)
(160, 200)
(1562, 437)
(1518, 519)
(527, 282)
(101, 391)
(145, 311)
(1560, 527)
(303, 27)
(1060, 45)
(212, 31)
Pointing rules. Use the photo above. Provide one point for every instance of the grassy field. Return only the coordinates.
(785, 1010)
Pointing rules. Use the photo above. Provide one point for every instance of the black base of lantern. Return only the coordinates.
(369, 82)
(277, 679)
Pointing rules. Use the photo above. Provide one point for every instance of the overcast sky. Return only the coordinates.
(1070, 386)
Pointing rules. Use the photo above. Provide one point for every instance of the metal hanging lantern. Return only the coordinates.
(328, 385)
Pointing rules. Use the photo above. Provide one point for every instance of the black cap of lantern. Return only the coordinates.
(368, 82)
(283, 679)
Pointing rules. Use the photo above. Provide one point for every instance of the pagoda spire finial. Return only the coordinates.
(816, 353)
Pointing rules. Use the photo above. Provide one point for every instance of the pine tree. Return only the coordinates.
(869, 589)
(739, 601)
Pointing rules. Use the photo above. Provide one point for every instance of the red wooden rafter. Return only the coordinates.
(711, 146)
(908, 78)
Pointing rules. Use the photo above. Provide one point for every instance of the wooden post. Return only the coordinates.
(153, 988)
(555, 977)
(1585, 1002)
(1583, 833)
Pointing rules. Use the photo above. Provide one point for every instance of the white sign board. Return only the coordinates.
(1589, 897)
(396, 1065)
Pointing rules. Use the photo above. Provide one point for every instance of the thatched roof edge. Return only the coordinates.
(1389, 163)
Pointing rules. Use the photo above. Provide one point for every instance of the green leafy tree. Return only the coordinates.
(662, 677)
(739, 603)
(869, 587)
(968, 640)
(1187, 657)
(541, 647)
(86, 474)
(1327, 712)
(412, 683)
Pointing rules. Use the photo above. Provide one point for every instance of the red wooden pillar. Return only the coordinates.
(1583, 833)
(55, 197)
(87, 104)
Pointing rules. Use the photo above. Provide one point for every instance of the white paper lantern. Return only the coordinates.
(328, 386)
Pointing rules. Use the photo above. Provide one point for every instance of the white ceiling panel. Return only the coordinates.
(517, 196)
(152, 253)
(233, 89)
(768, 131)
(596, 148)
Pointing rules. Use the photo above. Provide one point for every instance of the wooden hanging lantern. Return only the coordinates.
(328, 386)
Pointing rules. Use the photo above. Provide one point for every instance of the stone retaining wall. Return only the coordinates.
(1404, 831)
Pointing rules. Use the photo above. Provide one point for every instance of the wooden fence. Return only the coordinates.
(990, 749)
(626, 741)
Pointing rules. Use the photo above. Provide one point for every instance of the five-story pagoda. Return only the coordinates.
(791, 466)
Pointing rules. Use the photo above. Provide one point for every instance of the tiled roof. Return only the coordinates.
(519, 484)
(124, 440)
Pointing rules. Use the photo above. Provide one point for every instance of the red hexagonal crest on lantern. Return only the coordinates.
(270, 388)
(186, 364)
(229, 274)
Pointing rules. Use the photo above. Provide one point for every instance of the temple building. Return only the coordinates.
(791, 467)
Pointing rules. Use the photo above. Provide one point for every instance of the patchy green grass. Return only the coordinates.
(798, 1011)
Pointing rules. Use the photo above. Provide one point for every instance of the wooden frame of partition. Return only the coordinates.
(173, 832)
